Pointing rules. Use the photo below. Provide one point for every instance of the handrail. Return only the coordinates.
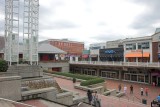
(120, 63)
(14, 102)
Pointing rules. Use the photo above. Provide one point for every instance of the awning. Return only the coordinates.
(137, 54)
(85, 56)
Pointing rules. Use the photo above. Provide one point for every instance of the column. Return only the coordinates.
(150, 46)
(98, 71)
(120, 75)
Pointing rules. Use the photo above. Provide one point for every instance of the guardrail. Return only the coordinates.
(14, 103)
(140, 64)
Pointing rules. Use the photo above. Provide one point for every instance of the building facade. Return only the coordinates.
(85, 55)
(114, 44)
(138, 49)
(96, 46)
(74, 49)
(156, 45)
(111, 54)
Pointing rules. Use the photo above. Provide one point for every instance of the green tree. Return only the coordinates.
(3, 66)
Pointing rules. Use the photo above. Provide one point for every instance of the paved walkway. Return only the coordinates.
(106, 101)
(153, 91)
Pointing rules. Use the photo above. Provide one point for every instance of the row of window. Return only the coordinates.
(143, 45)
(68, 44)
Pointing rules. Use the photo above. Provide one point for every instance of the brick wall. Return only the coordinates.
(155, 51)
(69, 47)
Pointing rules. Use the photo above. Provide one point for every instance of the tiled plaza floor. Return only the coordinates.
(109, 101)
(153, 91)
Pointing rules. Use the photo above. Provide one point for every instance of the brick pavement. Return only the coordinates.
(107, 101)
(152, 92)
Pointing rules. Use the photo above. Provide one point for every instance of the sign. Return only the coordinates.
(110, 52)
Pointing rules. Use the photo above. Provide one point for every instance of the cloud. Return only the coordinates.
(57, 25)
(149, 17)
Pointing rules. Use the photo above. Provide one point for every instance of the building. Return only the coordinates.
(85, 55)
(156, 45)
(111, 54)
(114, 44)
(74, 49)
(94, 50)
(138, 49)
(94, 55)
(97, 46)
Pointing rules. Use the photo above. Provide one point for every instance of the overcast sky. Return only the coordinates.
(94, 21)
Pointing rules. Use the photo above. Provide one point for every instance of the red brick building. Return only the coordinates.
(72, 48)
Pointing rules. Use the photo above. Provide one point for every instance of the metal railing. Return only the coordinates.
(14, 103)
(114, 63)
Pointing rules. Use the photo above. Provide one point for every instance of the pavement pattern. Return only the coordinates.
(130, 100)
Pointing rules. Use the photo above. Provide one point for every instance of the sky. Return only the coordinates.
(95, 21)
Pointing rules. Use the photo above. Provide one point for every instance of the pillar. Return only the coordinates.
(120, 75)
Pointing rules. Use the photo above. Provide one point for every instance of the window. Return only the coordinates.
(143, 45)
(131, 46)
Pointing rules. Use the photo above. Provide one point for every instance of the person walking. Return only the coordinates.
(125, 89)
(141, 91)
(89, 95)
(158, 98)
(119, 87)
(146, 91)
(131, 89)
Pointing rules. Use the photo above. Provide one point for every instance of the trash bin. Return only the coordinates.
(144, 101)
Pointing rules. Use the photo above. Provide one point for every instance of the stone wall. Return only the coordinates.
(48, 65)
(10, 87)
(25, 71)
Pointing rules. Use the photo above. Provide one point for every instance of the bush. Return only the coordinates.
(78, 76)
(3, 66)
(92, 81)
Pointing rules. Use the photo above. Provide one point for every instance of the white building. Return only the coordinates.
(114, 44)
(97, 46)
(138, 49)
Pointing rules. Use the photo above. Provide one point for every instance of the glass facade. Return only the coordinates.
(136, 77)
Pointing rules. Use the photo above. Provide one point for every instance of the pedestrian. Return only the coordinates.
(96, 100)
(125, 89)
(141, 91)
(146, 91)
(89, 95)
(131, 89)
(158, 98)
(119, 87)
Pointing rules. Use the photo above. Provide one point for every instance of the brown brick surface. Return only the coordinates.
(155, 51)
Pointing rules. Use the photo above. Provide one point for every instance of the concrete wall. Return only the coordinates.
(25, 71)
(48, 65)
(10, 88)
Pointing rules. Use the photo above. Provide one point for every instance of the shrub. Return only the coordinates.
(78, 76)
(3, 66)
(92, 81)
(89, 79)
